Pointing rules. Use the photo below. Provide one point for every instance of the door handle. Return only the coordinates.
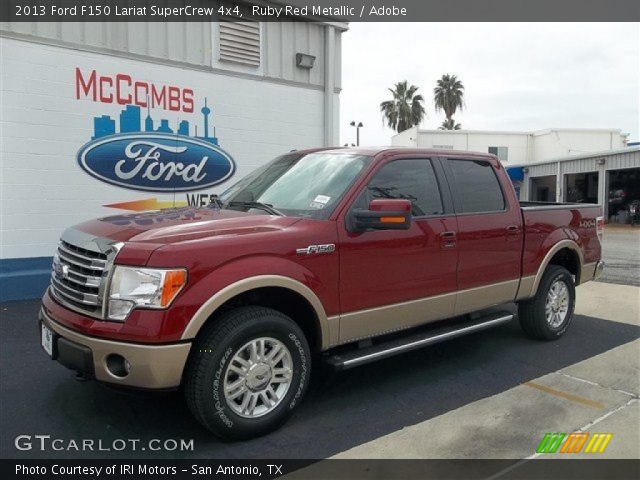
(513, 229)
(448, 239)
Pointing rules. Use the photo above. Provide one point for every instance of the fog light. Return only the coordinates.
(117, 365)
(119, 309)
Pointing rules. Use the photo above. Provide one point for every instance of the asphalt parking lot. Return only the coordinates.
(621, 253)
(489, 395)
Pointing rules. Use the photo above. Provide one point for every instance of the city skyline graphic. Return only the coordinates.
(130, 121)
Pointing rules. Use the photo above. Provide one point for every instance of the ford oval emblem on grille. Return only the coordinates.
(156, 162)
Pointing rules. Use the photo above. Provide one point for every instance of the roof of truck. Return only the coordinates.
(373, 151)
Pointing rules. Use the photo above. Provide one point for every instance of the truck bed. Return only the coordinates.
(548, 223)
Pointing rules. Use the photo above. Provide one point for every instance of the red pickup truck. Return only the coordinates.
(351, 254)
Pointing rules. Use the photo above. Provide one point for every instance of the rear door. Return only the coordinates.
(393, 279)
(489, 234)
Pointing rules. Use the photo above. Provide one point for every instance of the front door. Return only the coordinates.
(394, 279)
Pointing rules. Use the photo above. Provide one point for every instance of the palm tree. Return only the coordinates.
(450, 125)
(448, 95)
(405, 110)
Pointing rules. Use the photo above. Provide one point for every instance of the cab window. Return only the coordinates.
(477, 187)
(411, 179)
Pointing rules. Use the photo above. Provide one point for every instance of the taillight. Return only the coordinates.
(600, 228)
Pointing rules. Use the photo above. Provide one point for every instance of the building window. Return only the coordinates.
(240, 42)
(501, 152)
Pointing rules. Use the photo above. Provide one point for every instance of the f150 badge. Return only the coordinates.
(315, 249)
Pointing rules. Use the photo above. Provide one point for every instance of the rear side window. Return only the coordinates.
(477, 189)
(413, 180)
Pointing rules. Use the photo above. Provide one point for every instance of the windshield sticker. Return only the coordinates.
(320, 202)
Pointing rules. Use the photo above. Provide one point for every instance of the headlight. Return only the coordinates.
(133, 287)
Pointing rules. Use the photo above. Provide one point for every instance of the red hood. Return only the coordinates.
(168, 226)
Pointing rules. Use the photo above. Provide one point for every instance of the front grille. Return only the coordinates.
(77, 277)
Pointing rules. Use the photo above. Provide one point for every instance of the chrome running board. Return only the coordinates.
(396, 346)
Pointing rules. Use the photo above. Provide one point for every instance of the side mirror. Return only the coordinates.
(383, 214)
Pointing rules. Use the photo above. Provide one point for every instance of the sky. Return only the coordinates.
(517, 76)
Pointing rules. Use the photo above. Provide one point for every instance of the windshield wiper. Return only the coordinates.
(262, 206)
(215, 202)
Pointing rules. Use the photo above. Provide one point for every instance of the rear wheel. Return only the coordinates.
(548, 315)
(247, 372)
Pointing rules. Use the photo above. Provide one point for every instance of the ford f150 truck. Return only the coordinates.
(352, 254)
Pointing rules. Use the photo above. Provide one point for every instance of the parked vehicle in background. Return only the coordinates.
(621, 196)
(617, 201)
(351, 254)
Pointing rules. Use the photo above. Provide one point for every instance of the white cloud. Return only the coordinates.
(518, 76)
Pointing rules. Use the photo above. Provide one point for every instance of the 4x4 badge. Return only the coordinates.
(313, 249)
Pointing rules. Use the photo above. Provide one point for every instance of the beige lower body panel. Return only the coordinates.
(152, 366)
(474, 299)
(526, 287)
(588, 272)
(390, 318)
(529, 285)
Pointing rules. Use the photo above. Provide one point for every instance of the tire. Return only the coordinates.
(533, 312)
(216, 359)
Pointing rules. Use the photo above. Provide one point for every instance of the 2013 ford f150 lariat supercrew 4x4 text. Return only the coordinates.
(350, 254)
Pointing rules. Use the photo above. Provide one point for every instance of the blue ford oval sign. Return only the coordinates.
(156, 162)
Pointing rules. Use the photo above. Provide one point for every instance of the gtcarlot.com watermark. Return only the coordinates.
(47, 443)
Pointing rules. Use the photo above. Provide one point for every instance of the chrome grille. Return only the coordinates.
(77, 277)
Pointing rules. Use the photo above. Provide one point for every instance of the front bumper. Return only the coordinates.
(149, 366)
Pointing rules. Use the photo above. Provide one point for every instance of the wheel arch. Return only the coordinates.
(565, 253)
(284, 294)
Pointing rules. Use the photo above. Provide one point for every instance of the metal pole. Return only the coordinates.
(329, 84)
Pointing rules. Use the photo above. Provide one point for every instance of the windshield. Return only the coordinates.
(300, 185)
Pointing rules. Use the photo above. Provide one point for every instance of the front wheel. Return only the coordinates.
(548, 315)
(247, 372)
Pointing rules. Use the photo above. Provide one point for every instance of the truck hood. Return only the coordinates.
(163, 227)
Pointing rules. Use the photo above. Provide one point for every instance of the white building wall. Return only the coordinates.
(193, 43)
(43, 125)
(516, 144)
(523, 147)
(442, 140)
(550, 144)
(477, 141)
(408, 138)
